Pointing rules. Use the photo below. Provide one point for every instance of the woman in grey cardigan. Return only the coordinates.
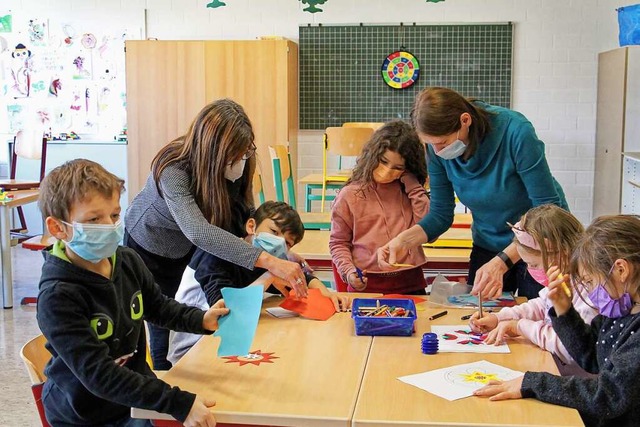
(196, 184)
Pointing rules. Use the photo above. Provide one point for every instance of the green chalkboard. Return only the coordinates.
(340, 79)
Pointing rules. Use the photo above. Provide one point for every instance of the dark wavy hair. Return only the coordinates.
(220, 134)
(397, 136)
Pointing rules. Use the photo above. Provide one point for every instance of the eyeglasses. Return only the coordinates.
(250, 152)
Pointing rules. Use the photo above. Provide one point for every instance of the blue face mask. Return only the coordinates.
(274, 245)
(95, 242)
(453, 150)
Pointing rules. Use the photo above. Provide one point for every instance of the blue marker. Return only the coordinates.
(360, 275)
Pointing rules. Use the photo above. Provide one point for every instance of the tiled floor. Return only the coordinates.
(18, 325)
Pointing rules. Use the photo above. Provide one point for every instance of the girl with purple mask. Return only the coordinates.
(544, 237)
(606, 264)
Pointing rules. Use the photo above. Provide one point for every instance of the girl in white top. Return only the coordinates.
(544, 237)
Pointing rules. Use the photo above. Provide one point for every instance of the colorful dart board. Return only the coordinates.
(400, 69)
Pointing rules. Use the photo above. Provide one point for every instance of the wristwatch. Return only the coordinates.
(505, 258)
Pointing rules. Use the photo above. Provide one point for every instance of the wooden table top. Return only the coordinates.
(385, 401)
(315, 246)
(290, 391)
(21, 197)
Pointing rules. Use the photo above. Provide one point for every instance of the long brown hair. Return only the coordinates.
(220, 135)
(437, 110)
(555, 230)
(607, 239)
(396, 136)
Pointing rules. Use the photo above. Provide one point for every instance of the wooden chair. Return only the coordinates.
(27, 144)
(373, 125)
(257, 186)
(341, 141)
(35, 357)
(282, 177)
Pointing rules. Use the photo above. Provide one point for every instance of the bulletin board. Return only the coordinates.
(340, 68)
(65, 75)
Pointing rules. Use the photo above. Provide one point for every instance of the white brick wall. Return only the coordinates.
(555, 56)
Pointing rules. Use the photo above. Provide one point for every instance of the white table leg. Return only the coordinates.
(5, 244)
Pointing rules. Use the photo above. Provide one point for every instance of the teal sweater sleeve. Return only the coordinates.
(507, 176)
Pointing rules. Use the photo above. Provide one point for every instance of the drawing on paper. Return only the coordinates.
(453, 338)
(456, 382)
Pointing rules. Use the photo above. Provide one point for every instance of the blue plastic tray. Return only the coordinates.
(373, 326)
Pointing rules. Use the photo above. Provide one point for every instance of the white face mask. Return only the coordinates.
(453, 150)
(234, 171)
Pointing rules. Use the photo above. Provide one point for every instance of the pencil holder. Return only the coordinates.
(429, 343)
(375, 316)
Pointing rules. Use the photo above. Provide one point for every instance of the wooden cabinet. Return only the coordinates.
(168, 82)
(617, 130)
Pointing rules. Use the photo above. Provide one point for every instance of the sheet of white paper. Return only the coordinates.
(460, 339)
(281, 312)
(459, 381)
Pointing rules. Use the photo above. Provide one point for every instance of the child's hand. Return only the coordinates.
(501, 390)
(356, 283)
(210, 320)
(486, 324)
(281, 285)
(340, 302)
(200, 415)
(506, 328)
(557, 295)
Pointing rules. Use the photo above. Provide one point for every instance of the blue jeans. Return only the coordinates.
(516, 279)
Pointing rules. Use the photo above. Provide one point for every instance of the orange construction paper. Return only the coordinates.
(315, 306)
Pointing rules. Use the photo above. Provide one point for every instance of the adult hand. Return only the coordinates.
(355, 282)
(557, 295)
(399, 246)
(217, 310)
(501, 390)
(292, 256)
(506, 328)
(200, 415)
(287, 270)
(488, 281)
(485, 324)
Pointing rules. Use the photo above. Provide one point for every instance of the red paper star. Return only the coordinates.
(254, 357)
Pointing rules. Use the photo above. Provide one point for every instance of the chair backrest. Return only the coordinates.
(373, 125)
(347, 141)
(281, 162)
(35, 357)
(29, 145)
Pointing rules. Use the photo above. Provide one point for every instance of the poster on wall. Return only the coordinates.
(65, 75)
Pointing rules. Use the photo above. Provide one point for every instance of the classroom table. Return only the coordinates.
(315, 249)
(325, 375)
(313, 379)
(386, 401)
(20, 198)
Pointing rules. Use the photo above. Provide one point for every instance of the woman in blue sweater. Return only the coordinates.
(491, 158)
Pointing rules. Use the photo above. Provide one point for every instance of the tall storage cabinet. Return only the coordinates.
(617, 163)
(168, 83)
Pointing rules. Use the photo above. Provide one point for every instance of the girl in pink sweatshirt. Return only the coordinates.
(544, 237)
(384, 196)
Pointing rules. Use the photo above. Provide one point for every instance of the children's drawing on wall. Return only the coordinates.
(69, 70)
(459, 381)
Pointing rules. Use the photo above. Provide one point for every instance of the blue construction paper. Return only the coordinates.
(238, 328)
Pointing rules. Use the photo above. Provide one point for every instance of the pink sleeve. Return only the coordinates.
(341, 237)
(417, 195)
(534, 309)
(542, 334)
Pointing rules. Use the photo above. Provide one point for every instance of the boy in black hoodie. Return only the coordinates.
(94, 296)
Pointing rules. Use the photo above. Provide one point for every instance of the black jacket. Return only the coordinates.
(95, 333)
